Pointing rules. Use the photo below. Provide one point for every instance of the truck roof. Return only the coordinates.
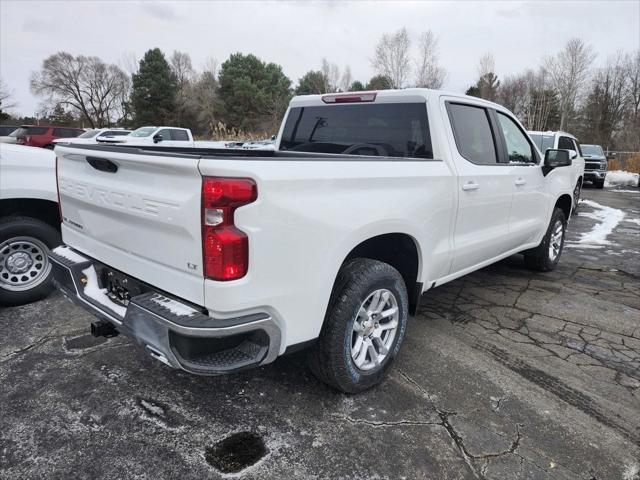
(553, 132)
(388, 96)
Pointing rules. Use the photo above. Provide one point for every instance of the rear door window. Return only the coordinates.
(179, 135)
(388, 130)
(36, 131)
(65, 133)
(565, 143)
(473, 134)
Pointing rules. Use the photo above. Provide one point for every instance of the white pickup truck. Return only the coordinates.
(29, 222)
(220, 260)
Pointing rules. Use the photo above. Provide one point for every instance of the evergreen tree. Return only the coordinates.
(155, 87)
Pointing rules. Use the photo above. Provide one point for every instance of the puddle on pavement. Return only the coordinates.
(236, 452)
(82, 342)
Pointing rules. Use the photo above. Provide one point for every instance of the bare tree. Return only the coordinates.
(129, 63)
(391, 58)
(568, 72)
(181, 67)
(486, 65)
(95, 89)
(212, 65)
(331, 74)
(429, 73)
(6, 96)
(633, 83)
(347, 79)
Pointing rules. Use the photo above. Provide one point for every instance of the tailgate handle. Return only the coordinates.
(102, 164)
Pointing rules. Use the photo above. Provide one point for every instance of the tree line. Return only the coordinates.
(246, 94)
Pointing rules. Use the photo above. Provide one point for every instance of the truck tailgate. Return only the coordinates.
(136, 212)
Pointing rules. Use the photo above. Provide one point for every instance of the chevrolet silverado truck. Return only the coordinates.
(29, 222)
(218, 260)
(565, 141)
(596, 165)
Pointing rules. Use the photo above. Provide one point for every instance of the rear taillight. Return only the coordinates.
(225, 248)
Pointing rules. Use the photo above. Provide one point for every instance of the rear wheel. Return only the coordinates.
(545, 257)
(364, 326)
(25, 271)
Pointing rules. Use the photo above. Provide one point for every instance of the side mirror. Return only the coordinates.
(556, 158)
(611, 156)
(157, 138)
(573, 154)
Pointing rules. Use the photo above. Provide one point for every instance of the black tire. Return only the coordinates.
(599, 185)
(25, 227)
(576, 196)
(539, 258)
(330, 359)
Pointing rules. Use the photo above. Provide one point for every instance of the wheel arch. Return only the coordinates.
(44, 210)
(565, 203)
(402, 252)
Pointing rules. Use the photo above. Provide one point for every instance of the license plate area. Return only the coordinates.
(120, 287)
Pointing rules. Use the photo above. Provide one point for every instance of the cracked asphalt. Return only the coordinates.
(504, 374)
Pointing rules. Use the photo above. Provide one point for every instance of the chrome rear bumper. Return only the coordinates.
(175, 332)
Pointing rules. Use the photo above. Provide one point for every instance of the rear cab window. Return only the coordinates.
(385, 129)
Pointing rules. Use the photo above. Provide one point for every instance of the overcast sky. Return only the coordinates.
(297, 35)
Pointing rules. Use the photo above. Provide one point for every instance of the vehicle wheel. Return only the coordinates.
(25, 271)
(599, 185)
(576, 195)
(545, 256)
(363, 328)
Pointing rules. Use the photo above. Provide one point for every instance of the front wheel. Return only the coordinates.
(25, 271)
(545, 257)
(576, 195)
(363, 328)
(599, 184)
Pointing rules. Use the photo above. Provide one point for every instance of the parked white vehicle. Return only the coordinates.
(29, 222)
(96, 135)
(564, 141)
(161, 136)
(220, 261)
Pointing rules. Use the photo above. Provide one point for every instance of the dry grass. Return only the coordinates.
(631, 164)
(221, 132)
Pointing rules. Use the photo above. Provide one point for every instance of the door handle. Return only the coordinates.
(470, 186)
(520, 182)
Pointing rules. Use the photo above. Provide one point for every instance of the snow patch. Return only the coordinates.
(627, 191)
(631, 471)
(93, 291)
(177, 308)
(607, 219)
(619, 177)
(69, 254)
(633, 220)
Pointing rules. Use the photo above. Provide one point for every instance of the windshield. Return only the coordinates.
(543, 142)
(116, 133)
(593, 150)
(390, 130)
(143, 132)
(89, 134)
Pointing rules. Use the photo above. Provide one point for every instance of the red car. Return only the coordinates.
(44, 135)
